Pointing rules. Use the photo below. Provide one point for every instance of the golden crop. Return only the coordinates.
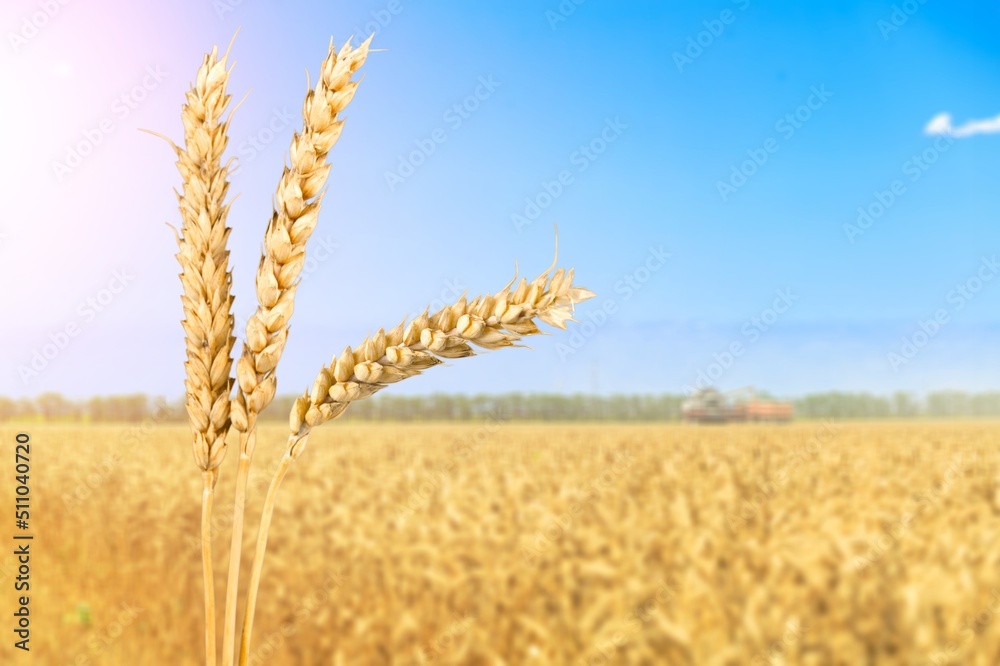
(500, 543)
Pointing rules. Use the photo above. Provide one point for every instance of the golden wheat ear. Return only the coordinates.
(296, 212)
(489, 322)
(204, 259)
(207, 298)
(297, 205)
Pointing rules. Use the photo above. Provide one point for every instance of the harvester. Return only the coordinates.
(708, 405)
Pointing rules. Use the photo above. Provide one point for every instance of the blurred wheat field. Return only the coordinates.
(498, 543)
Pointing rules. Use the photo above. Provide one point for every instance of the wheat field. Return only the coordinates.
(505, 543)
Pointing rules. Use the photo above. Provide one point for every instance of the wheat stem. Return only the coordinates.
(207, 495)
(236, 546)
(258, 558)
(292, 222)
(207, 298)
(490, 322)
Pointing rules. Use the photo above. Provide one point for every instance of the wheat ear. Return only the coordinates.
(292, 222)
(207, 299)
(490, 322)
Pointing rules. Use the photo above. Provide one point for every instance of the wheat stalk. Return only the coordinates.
(490, 322)
(207, 299)
(292, 222)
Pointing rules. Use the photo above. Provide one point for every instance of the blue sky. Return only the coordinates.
(644, 111)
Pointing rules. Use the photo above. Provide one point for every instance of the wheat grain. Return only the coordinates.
(204, 259)
(207, 298)
(507, 523)
(292, 222)
(490, 322)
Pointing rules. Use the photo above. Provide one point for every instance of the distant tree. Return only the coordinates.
(904, 405)
(26, 408)
(948, 404)
(517, 406)
(985, 404)
(53, 406)
(8, 409)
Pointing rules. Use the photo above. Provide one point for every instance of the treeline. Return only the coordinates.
(512, 406)
(937, 404)
(434, 407)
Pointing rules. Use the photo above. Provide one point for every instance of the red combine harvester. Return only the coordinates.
(708, 405)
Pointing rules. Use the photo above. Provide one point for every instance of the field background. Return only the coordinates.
(798, 198)
(502, 543)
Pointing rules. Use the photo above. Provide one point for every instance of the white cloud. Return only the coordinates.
(941, 124)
